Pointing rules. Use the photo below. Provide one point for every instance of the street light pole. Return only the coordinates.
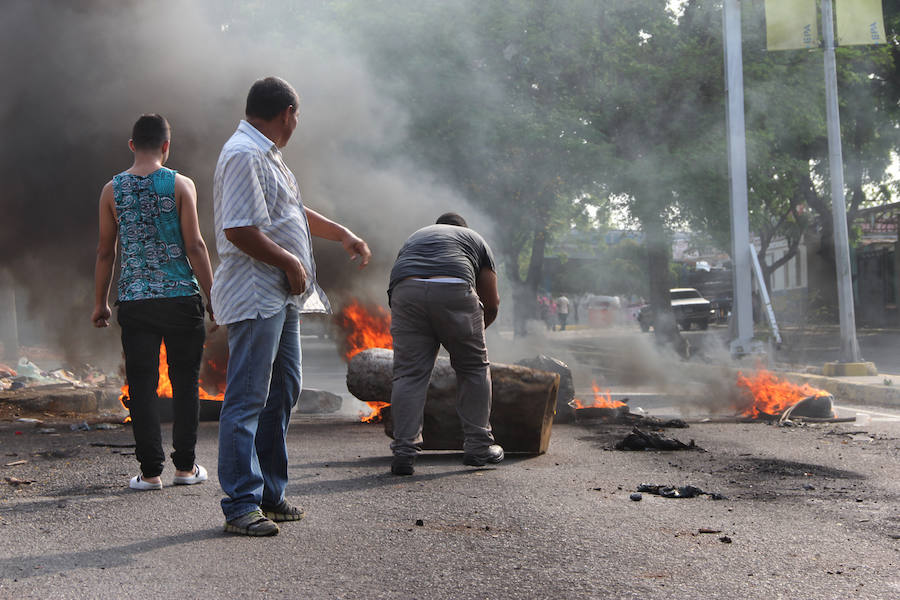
(849, 345)
(742, 307)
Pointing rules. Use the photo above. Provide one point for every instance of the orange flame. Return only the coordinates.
(771, 395)
(363, 327)
(164, 387)
(375, 415)
(600, 401)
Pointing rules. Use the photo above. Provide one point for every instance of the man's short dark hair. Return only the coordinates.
(269, 97)
(149, 132)
(451, 218)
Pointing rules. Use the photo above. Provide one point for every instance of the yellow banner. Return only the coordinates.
(859, 22)
(791, 24)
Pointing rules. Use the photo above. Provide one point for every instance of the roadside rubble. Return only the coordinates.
(622, 414)
(640, 440)
(28, 390)
(27, 374)
(669, 491)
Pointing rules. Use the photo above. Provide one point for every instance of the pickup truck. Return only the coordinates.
(688, 306)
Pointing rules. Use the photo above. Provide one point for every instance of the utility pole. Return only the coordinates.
(849, 345)
(742, 303)
(9, 330)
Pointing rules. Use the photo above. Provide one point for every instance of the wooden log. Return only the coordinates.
(522, 407)
(565, 412)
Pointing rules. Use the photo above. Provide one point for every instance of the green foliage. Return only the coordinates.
(539, 112)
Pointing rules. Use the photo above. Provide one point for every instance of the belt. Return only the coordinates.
(439, 279)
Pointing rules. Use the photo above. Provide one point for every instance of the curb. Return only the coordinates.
(844, 391)
(102, 400)
(848, 392)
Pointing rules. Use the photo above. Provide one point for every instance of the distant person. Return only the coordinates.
(544, 310)
(562, 310)
(443, 291)
(266, 278)
(152, 211)
(552, 315)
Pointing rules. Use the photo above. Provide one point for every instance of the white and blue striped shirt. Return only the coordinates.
(253, 187)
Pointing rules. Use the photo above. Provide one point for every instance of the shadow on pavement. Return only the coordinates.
(24, 567)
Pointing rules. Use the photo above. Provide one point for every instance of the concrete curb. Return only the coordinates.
(862, 391)
(851, 392)
(81, 401)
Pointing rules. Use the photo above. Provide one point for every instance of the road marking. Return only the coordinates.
(882, 415)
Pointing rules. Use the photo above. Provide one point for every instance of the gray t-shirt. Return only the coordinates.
(442, 250)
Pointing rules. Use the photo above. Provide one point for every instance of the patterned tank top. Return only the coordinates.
(153, 261)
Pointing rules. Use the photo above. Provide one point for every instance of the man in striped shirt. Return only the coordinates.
(266, 278)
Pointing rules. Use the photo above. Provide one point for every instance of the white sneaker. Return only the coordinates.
(137, 483)
(199, 476)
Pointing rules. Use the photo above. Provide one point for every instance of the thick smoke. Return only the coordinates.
(77, 78)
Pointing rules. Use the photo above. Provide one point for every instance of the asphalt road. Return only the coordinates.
(810, 512)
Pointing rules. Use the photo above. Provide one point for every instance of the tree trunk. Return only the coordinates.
(522, 407)
(525, 293)
(9, 327)
(664, 326)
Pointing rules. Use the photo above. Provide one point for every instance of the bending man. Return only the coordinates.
(443, 291)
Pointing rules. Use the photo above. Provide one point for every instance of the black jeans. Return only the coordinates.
(145, 323)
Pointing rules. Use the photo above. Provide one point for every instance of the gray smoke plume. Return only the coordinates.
(77, 75)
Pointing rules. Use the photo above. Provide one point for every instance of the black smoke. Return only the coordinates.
(77, 75)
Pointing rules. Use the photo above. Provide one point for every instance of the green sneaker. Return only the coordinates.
(253, 523)
(284, 511)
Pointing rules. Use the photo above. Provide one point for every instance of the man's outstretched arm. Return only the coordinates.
(325, 228)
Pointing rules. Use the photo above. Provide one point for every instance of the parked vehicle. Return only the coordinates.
(689, 307)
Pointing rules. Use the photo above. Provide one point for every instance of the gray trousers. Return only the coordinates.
(424, 316)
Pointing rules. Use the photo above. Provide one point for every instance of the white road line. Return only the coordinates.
(869, 412)
(880, 417)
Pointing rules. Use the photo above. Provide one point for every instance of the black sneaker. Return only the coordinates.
(285, 511)
(491, 454)
(403, 465)
(253, 524)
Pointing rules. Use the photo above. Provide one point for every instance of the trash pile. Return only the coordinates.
(671, 491)
(641, 440)
(28, 375)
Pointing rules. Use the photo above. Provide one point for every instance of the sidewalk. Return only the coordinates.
(876, 390)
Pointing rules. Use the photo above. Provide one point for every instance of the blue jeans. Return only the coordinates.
(263, 385)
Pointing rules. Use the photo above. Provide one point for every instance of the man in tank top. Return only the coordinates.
(152, 212)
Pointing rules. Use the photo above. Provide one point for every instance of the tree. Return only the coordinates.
(493, 115)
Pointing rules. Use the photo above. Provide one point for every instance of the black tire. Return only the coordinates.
(704, 324)
(685, 325)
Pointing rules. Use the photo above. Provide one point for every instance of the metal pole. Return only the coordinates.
(764, 294)
(9, 329)
(849, 345)
(742, 307)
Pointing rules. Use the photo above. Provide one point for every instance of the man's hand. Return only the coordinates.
(255, 244)
(101, 315)
(296, 275)
(357, 249)
(212, 318)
